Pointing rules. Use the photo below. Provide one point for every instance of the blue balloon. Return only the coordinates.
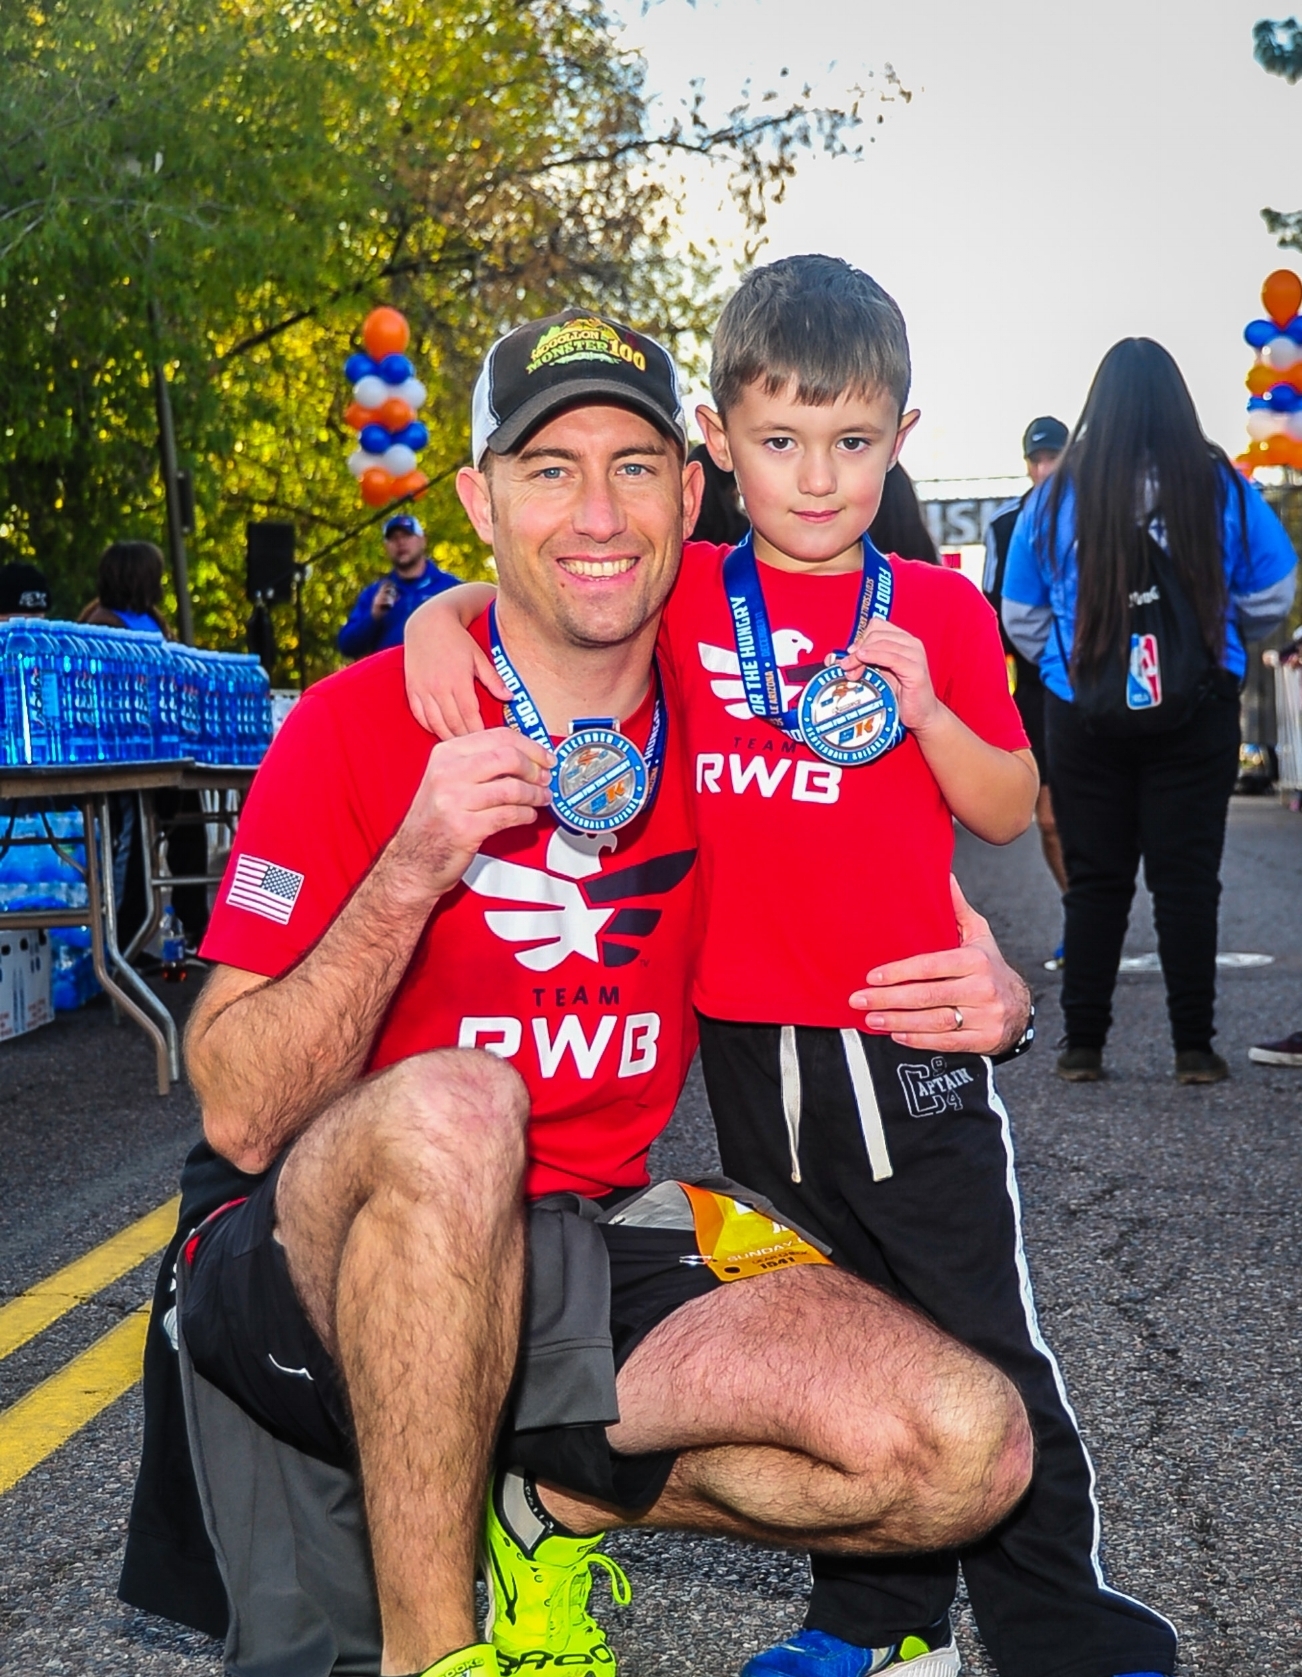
(396, 369)
(1257, 332)
(1257, 402)
(374, 439)
(413, 436)
(1293, 329)
(1283, 399)
(358, 366)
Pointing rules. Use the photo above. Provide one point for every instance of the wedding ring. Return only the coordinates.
(958, 1020)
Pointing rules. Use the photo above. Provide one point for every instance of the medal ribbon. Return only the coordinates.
(760, 676)
(525, 715)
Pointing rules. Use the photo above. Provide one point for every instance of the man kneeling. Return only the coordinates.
(450, 1019)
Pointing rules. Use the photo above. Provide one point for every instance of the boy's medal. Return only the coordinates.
(842, 719)
(600, 781)
(849, 721)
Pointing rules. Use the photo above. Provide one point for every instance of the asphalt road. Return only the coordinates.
(1163, 1226)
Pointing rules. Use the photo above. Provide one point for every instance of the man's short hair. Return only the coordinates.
(814, 321)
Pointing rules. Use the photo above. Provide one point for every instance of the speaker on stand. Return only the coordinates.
(272, 576)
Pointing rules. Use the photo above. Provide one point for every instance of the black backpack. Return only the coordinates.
(1169, 670)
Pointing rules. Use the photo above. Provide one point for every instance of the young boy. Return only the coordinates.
(824, 808)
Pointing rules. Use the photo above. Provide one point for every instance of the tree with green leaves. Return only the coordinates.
(1277, 47)
(224, 188)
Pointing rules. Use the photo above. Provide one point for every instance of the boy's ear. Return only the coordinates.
(476, 498)
(907, 422)
(716, 438)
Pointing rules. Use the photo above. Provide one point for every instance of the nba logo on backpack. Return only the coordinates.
(1144, 677)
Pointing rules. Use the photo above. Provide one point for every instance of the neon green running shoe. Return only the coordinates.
(538, 1617)
(479, 1660)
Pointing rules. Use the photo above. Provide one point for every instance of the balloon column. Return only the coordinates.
(386, 397)
(1275, 380)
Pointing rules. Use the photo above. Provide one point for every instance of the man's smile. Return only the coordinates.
(598, 567)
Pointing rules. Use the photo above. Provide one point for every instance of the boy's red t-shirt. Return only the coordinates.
(812, 874)
(568, 956)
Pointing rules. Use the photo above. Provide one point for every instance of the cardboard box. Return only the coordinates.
(24, 982)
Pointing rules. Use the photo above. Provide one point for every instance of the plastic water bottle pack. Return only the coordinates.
(72, 693)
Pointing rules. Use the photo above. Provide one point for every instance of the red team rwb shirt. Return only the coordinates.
(811, 874)
(569, 956)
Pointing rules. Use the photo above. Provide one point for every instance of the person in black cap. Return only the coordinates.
(380, 615)
(24, 591)
(1042, 446)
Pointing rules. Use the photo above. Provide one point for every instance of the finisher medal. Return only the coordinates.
(601, 781)
(847, 720)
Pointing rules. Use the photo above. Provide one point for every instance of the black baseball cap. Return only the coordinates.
(23, 589)
(1044, 436)
(403, 523)
(568, 358)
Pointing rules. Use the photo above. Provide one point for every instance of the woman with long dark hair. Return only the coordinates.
(1134, 577)
(130, 589)
(899, 526)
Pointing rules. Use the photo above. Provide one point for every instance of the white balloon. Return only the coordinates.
(372, 390)
(360, 461)
(1262, 424)
(399, 460)
(1293, 425)
(1281, 353)
(413, 392)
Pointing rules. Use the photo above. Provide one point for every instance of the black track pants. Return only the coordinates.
(941, 1230)
(1163, 798)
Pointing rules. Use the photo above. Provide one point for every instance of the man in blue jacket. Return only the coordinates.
(380, 615)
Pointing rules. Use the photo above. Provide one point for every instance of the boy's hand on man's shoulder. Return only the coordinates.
(902, 659)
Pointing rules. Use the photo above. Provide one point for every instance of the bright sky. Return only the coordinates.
(1064, 176)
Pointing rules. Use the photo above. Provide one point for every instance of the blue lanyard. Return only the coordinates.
(750, 625)
(525, 715)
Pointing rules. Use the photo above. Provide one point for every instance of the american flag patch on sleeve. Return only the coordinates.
(264, 888)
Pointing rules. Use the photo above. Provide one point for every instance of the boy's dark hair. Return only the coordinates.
(816, 321)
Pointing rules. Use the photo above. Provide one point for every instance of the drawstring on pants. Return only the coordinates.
(865, 1099)
(790, 1066)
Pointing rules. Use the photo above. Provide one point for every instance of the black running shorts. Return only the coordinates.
(248, 1335)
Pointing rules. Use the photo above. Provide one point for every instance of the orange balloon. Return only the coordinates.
(385, 332)
(1282, 295)
(356, 416)
(411, 483)
(1273, 451)
(394, 414)
(377, 486)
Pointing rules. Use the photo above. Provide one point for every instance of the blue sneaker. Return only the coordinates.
(813, 1653)
(1055, 961)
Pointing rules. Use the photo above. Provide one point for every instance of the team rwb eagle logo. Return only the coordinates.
(572, 907)
(789, 647)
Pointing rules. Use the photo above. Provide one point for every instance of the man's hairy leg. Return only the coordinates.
(816, 1411)
(401, 1215)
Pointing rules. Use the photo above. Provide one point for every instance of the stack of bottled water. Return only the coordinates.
(42, 865)
(73, 693)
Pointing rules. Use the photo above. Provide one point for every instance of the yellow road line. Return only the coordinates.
(35, 1426)
(33, 1311)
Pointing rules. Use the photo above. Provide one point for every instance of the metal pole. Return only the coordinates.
(300, 573)
(172, 490)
